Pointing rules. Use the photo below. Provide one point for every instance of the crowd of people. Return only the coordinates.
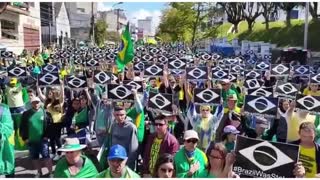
(194, 141)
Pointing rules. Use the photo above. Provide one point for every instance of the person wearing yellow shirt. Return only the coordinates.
(294, 119)
(309, 150)
(312, 90)
(38, 58)
(54, 106)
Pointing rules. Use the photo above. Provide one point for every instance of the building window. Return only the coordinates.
(82, 10)
(9, 29)
(31, 4)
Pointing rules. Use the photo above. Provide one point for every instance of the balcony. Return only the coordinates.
(19, 7)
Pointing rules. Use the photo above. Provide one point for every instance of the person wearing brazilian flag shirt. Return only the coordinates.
(117, 159)
(189, 160)
(7, 164)
(74, 164)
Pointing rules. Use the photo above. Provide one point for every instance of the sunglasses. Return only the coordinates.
(158, 124)
(119, 114)
(194, 141)
(164, 170)
(205, 110)
(223, 84)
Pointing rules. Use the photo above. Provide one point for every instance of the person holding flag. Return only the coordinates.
(126, 51)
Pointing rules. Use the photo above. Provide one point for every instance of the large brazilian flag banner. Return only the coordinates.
(19, 143)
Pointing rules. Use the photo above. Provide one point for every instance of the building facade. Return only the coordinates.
(20, 27)
(116, 19)
(55, 24)
(80, 17)
(146, 26)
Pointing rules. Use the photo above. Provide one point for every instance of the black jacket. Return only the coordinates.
(24, 126)
(317, 153)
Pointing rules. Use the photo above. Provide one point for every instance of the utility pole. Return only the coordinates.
(118, 27)
(49, 12)
(306, 26)
(92, 24)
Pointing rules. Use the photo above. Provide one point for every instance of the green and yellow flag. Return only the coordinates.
(126, 52)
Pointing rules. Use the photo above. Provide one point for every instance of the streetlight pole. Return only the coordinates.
(118, 27)
(306, 25)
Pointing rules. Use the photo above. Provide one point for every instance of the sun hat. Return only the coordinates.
(190, 134)
(117, 152)
(71, 144)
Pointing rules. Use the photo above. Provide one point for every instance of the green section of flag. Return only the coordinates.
(126, 52)
(19, 143)
(7, 163)
(138, 120)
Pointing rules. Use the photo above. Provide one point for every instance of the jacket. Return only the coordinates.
(317, 146)
(168, 145)
(129, 174)
(182, 165)
(24, 126)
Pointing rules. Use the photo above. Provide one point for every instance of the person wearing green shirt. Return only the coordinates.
(34, 131)
(117, 159)
(229, 137)
(226, 90)
(74, 164)
(190, 160)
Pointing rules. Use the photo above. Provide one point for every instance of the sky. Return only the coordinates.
(137, 10)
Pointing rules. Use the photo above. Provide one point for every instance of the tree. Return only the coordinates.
(177, 20)
(200, 7)
(313, 7)
(234, 12)
(113, 36)
(268, 8)
(288, 7)
(251, 11)
(100, 29)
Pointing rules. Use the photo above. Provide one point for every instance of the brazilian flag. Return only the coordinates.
(126, 51)
(7, 163)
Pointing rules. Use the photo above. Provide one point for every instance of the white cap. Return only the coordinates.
(35, 99)
(226, 81)
(190, 134)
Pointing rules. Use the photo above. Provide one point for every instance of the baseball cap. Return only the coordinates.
(230, 129)
(117, 152)
(35, 99)
(190, 134)
(13, 81)
(232, 97)
(225, 81)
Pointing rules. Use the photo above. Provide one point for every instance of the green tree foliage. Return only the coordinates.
(113, 36)
(100, 32)
(181, 21)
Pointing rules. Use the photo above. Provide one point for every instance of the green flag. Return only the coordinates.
(126, 53)
(7, 163)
